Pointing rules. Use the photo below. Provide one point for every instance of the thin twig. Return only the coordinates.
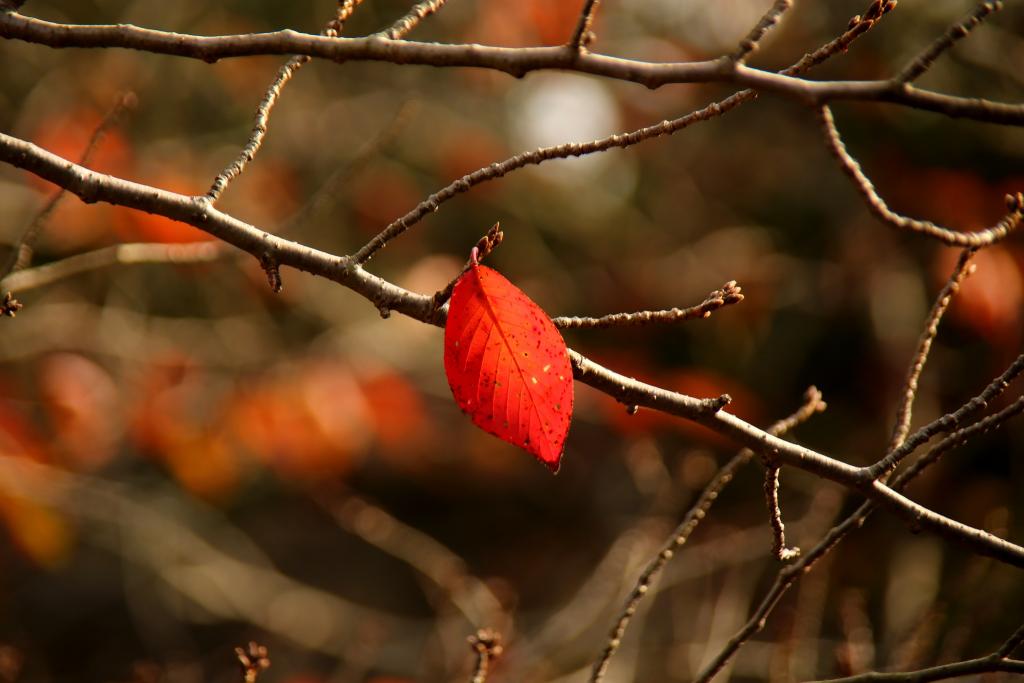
(486, 644)
(859, 25)
(904, 411)
(21, 251)
(878, 206)
(730, 293)
(536, 157)
(957, 32)
(121, 254)
(332, 29)
(403, 26)
(582, 35)
(812, 404)
(617, 141)
(771, 494)
(753, 39)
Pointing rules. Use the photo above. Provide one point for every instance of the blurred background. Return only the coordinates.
(193, 462)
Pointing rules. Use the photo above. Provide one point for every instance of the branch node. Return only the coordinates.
(713, 405)
(273, 270)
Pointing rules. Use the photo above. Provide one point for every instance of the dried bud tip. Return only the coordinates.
(853, 22)
(486, 641)
(10, 306)
(1014, 202)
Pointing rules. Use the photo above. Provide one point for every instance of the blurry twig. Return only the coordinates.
(906, 405)
(856, 650)
(21, 250)
(446, 570)
(924, 61)
(752, 41)
(812, 404)
(730, 293)
(224, 575)
(329, 188)
(121, 254)
(878, 206)
(270, 97)
(487, 645)
(254, 659)
(418, 13)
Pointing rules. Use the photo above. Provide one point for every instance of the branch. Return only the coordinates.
(618, 141)
(698, 511)
(197, 211)
(121, 254)
(730, 293)
(878, 206)
(514, 61)
(284, 75)
(924, 61)
(771, 494)
(904, 411)
(767, 22)
(582, 36)
(790, 574)
(406, 24)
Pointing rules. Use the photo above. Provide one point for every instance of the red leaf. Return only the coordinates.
(507, 365)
